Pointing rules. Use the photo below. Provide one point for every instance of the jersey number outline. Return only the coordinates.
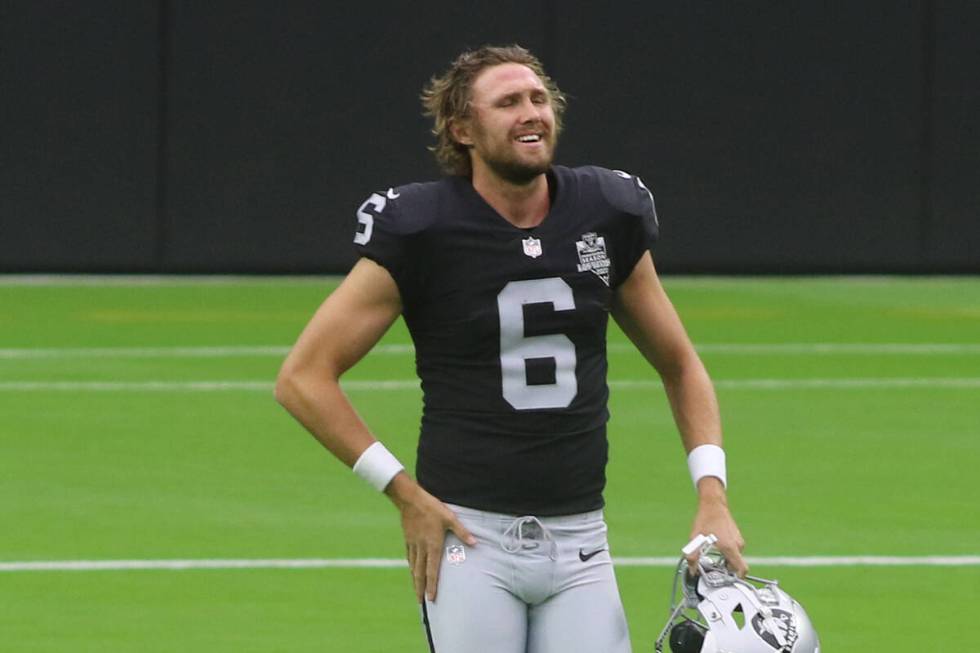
(516, 348)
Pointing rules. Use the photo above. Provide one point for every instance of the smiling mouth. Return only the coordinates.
(529, 138)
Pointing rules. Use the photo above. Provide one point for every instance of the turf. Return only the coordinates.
(136, 474)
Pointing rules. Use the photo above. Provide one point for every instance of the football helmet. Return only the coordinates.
(715, 611)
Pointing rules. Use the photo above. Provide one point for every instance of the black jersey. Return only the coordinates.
(509, 327)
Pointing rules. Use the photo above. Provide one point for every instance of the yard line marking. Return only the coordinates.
(278, 351)
(149, 280)
(868, 561)
(134, 386)
(841, 384)
(825, 561)
(398, 563)
(178, 565)
(413, 384)
(183, 386)
(817, 384)
(143, 352)
(825, 348)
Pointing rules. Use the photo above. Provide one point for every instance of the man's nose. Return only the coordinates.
(530, 111)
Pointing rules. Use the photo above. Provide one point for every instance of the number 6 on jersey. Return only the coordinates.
(516, 348)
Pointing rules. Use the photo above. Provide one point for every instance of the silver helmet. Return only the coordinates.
(715, 611)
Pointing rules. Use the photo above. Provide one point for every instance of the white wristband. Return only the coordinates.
(377, 466)
(707, 460)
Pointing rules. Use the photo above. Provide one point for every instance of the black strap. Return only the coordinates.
(428, 628)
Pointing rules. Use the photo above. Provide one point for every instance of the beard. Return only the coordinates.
(505, 163)
(519, 173)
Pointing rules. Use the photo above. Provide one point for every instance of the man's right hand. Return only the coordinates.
(425, 521)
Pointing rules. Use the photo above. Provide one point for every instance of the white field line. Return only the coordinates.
(182, 386)
(834, 348)
(142, 352)
(395, 563)
(278, 351)
(150, 280)
(399, 385)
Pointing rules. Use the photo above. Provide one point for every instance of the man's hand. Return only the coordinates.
(713, 517)
(425, 521)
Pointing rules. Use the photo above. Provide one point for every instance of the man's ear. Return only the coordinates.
(460, 131)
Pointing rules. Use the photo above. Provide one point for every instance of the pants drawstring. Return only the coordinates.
(516, 538)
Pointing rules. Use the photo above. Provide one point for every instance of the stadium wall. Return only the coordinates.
(175, 136)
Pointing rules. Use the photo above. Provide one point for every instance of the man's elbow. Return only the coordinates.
(300, 383)
(287, 386)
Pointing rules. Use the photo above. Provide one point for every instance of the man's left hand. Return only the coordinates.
(713, 517)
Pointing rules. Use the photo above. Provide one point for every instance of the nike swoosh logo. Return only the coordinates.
(585, 557)
(392, 195)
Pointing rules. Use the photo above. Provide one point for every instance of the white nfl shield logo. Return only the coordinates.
(455, 554)
(532, 247)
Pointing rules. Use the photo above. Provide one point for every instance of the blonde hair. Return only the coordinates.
(447, 98)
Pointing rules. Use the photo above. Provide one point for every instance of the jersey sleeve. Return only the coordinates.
(638, 228)
(382, 235)
(391, 231)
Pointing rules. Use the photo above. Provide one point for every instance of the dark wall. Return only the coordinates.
(776, 136)
(951, 234)
(79, 134)
(240, 136)
(282, 123)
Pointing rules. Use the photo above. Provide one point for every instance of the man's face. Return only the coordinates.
(512, 123)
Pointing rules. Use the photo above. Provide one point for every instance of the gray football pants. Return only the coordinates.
(530, 585)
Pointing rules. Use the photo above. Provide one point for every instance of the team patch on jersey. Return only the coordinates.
(455, 554)
(592, 256)
(532, 247)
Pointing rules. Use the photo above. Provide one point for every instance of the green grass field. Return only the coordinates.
(137, 423)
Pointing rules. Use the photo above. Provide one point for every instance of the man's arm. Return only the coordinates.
(348, 324)
(645, 313)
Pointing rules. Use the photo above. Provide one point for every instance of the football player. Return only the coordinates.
(505, 272)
